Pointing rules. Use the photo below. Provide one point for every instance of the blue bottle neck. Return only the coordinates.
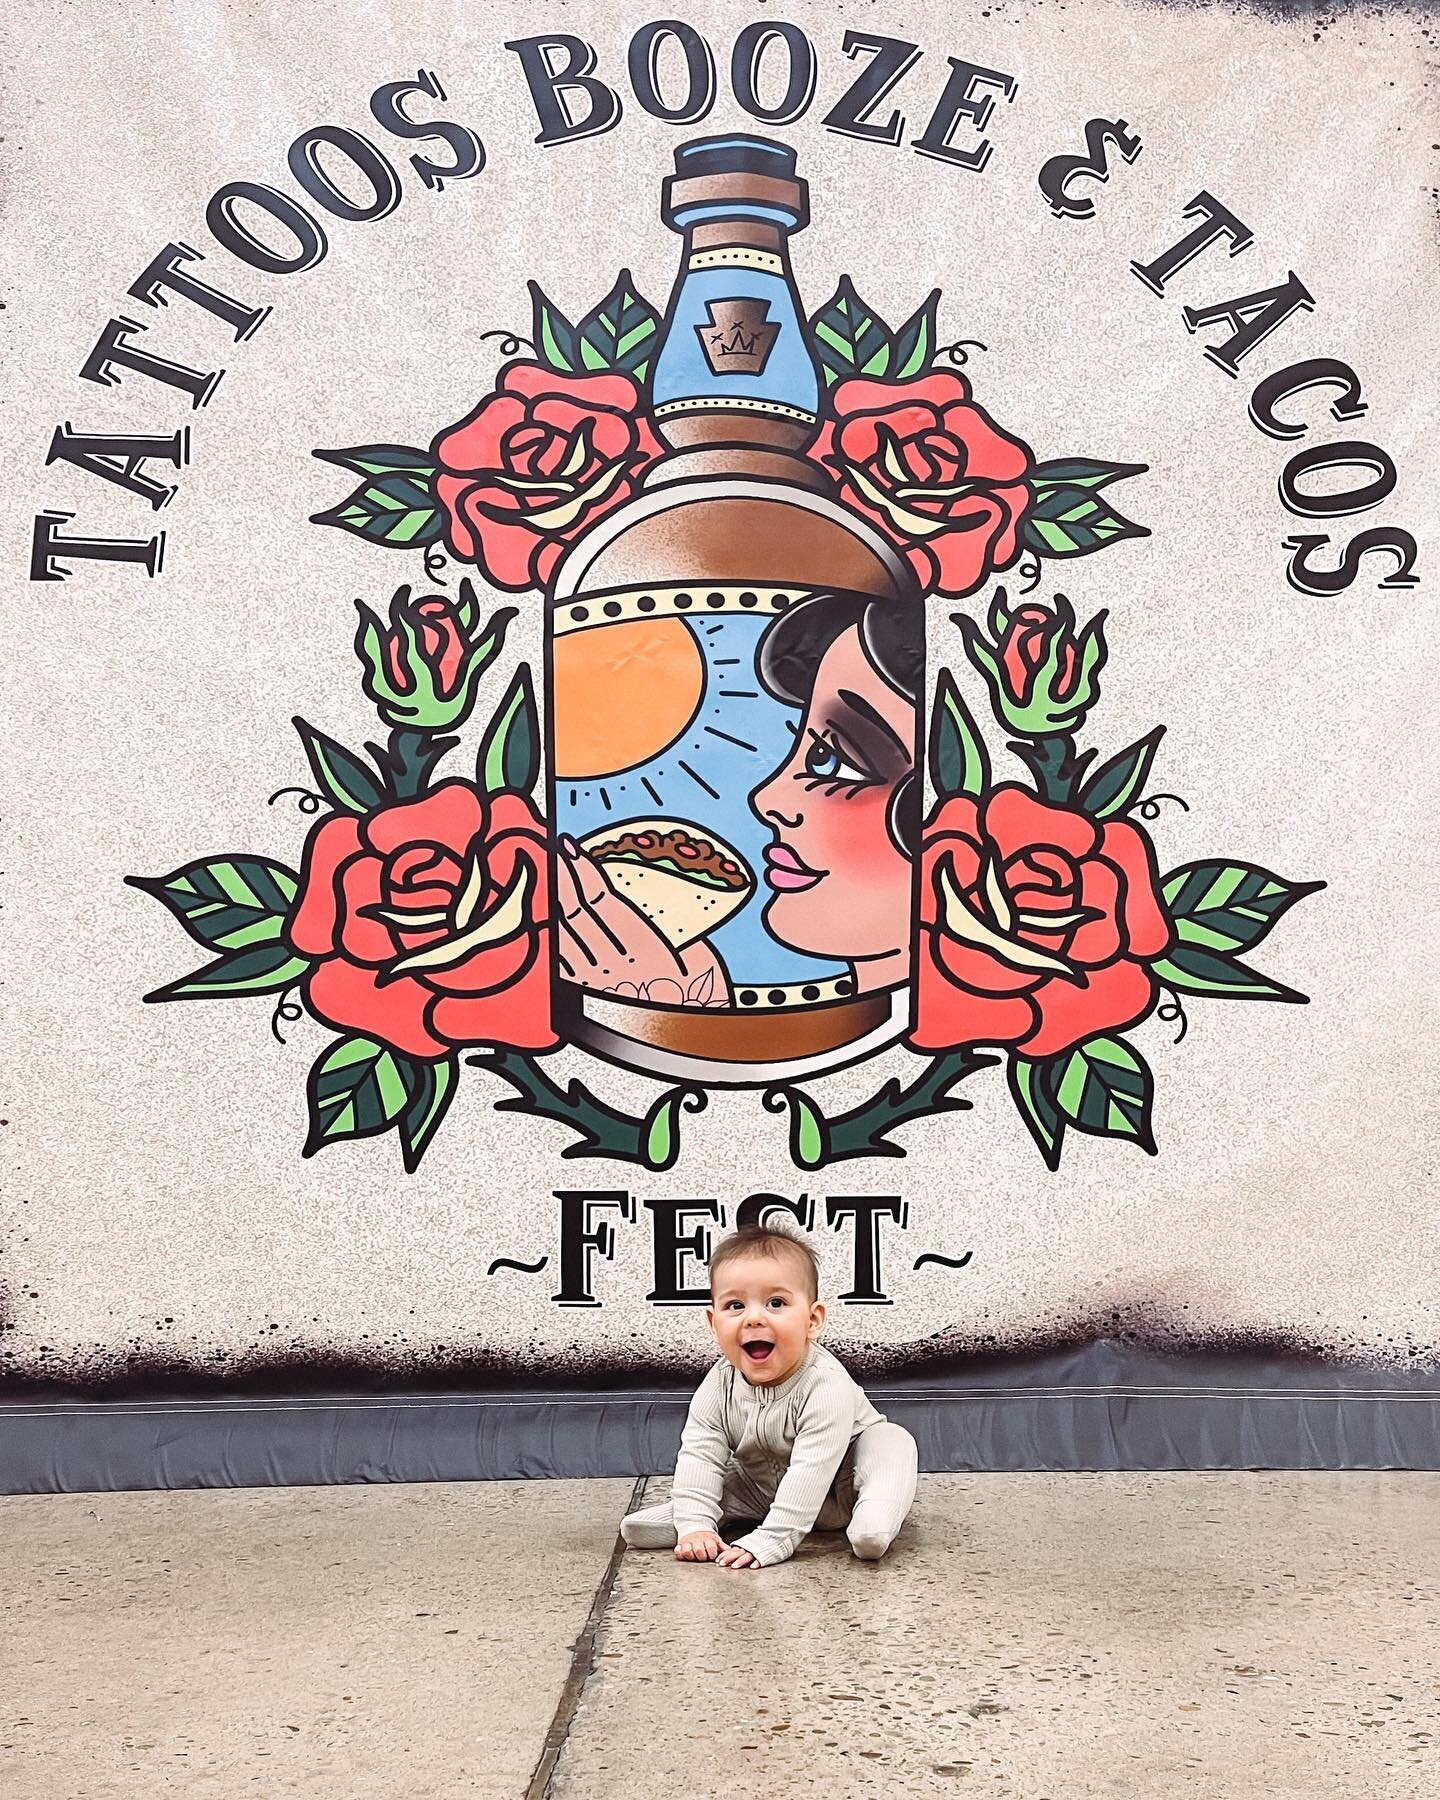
(735, 347)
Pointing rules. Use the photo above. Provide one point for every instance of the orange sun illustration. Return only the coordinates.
(622, 694)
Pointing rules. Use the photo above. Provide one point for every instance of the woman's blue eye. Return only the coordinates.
(824, 761)
(822, 758)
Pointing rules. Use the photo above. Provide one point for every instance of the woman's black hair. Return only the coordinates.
(892, 634)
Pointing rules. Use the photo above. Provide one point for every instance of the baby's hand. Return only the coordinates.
(702, 1546)
(734, 1557)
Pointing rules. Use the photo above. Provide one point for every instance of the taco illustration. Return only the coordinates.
(686, 881)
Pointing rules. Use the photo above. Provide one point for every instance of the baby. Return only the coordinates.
(777, 1431)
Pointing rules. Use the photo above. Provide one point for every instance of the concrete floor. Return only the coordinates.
(1044, 1637)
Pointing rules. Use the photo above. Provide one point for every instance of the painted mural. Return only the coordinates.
(630, 624)
(736, 518)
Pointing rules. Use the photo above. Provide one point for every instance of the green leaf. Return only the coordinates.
(1029, 1084)
(914, 343)
(1119, 782)
(555, 338)
(397, 509)
(660, 1130)
(1190, 970)
(356, 1089)
(345, 779)
(809, 1128)
(226, 902)
(959, 761)
(848, 338)
(620, 332)
(430, 1087)
(1066, 520)
(1081, 472)
(381, 459)
(1229, 906)
(1105, 1087)
(264, 969)
(510, 750)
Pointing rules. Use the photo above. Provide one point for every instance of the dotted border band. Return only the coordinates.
(728, 403)
(809, 993)
(665, 602)
(736, 256)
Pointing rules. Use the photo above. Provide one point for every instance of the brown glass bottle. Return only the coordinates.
(667, 714)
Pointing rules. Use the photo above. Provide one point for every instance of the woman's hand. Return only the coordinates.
(608, 944)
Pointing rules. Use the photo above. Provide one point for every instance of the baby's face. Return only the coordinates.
(763, 1317)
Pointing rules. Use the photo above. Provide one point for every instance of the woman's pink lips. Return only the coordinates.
(786, 872)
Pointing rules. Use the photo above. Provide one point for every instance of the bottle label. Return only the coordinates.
(737, 338)
(703, 804)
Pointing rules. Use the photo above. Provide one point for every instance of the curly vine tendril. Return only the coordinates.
(511, 343)
(308, 803)
(1149, 808)
(957, 354)
(1170, 1011)
(1029, 571)
(435, 561)
(288, 1010)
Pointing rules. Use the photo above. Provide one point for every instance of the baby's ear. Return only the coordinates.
(710, 1318)
(817, 1318)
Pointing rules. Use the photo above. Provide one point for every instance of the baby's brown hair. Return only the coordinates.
(765, 1240)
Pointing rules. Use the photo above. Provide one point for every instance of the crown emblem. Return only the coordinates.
(739, 338)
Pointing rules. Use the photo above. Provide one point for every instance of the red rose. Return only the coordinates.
(1036, 925)
(430, 923)
(535, 464)
(441, 640)
(1023, 650)
(928, 466)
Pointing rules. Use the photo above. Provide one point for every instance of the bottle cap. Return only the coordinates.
(732, 177)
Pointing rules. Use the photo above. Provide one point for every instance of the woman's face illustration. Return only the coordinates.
(840, 883)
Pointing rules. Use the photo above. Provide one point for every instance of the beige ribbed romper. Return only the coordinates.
(810, 1451)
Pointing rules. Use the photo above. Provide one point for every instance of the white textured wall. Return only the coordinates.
(154, 1198)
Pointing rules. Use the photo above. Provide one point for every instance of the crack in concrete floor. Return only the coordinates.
(1046, 1637)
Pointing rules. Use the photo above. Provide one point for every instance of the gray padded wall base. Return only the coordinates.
(1104, 1406)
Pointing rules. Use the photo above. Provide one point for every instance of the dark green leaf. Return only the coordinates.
(620, 332)
(510, 750)
(1119, 782)
(1229, 906)
(430, 1087)
(555, 338)
(1030, 1090)
(381, 459)
(959, 762)
(914, 343)
(1104, 1087)
(1081, 472)
(848, 337)
(226, 902)
(263, 969)
(341, 775)
(357, 1088)
(1066, 520)
(397, 509)
(1190, 970)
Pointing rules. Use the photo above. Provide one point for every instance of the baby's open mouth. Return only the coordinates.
(758, 1349)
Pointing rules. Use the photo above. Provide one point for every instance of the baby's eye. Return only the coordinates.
(776, 1300)
(824, 760)
(732, 1305)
